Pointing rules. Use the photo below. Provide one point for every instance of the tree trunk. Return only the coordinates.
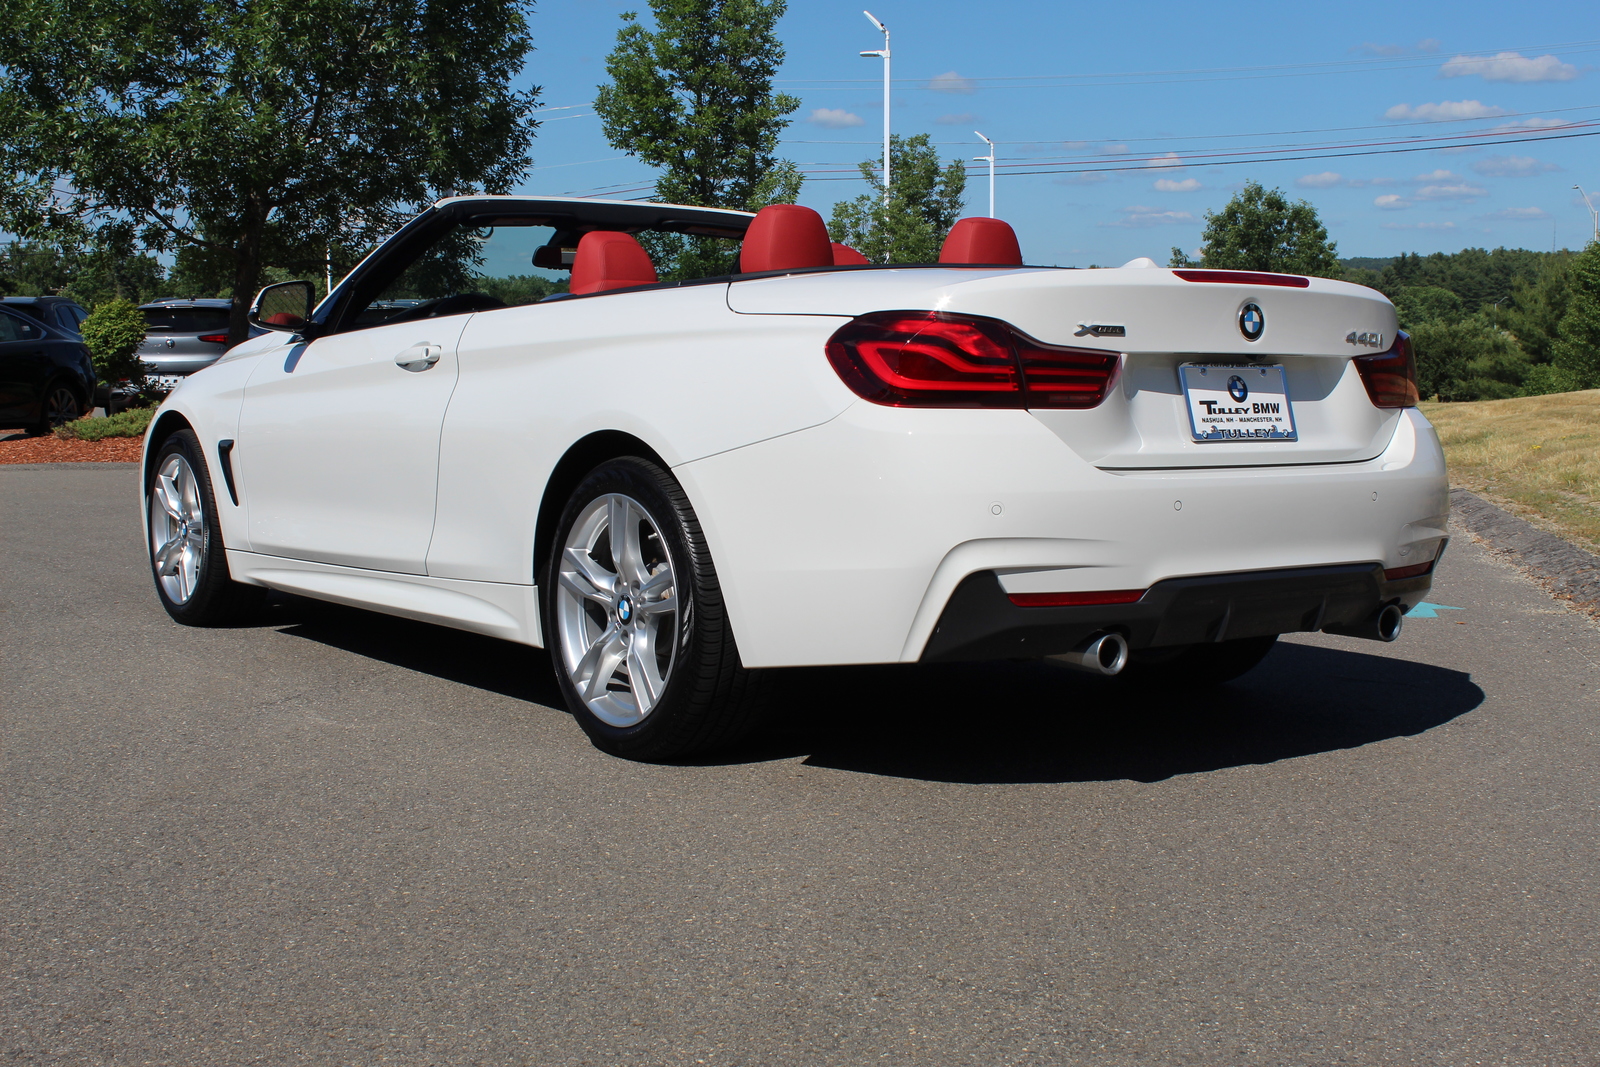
(246, 270)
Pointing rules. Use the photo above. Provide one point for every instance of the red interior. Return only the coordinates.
(982, 240)
(610, 260)
(785, 237)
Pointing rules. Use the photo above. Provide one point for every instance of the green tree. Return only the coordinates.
(1577, 348)
(1260, 229)
(925, 200)
(1467, 359)
(694, 98)
(89, 273)
(261, 132)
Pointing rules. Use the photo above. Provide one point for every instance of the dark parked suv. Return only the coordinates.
(51, 310)
(46, 375)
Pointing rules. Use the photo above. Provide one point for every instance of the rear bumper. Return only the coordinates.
(981, 622)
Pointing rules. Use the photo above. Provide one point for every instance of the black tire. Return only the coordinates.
(210, 597)
(59, 405)
(1198, 665)
(707, 700)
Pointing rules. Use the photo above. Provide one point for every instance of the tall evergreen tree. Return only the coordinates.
(925, 200)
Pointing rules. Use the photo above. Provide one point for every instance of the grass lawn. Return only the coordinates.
(1538, 456)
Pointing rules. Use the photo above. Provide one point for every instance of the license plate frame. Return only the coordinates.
(1218, 414)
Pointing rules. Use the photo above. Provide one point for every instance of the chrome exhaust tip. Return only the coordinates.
(1103, 654)
(1384, 626)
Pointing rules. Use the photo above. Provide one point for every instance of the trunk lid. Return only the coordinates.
(1312, 331)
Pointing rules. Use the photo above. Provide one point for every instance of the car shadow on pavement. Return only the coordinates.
(1017, 722)
(998, 722)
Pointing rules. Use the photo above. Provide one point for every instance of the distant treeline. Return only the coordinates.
(1484, 323)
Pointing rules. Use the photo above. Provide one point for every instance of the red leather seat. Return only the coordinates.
(610, 260)
(982, 240)
(845, 256)
(785, 237)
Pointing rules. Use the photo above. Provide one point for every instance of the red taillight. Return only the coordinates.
(1244, 277)
(943, 360)
(1075, 600)
(214, 338)
(1391, 379)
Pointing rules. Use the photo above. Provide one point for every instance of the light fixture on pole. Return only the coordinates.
(884, 55)
(990, 158)
(1592, 210)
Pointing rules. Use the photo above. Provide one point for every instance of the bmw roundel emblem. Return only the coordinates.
(1237, 389)
(624, 609)
(1252, 322)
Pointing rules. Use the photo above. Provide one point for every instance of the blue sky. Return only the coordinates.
(1137, 118)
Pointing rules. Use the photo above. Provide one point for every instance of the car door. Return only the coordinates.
(338, 444)
(24, 366)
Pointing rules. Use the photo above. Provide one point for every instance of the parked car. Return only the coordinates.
(679, 486)
(59, 311)
(46, 375)
(183, 336)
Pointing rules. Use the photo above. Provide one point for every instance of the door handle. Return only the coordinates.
(419, 357)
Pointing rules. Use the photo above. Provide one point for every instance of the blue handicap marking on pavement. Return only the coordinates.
(1426, 610)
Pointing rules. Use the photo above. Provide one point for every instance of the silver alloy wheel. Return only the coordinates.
(177, 529)
(617, 610)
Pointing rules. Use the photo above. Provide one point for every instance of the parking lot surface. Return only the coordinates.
(334, 837)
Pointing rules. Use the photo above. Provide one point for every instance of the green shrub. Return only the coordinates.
(130, 423)
(1469, 360)
(114, 331)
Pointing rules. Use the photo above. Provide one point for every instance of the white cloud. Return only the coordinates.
(1139, 217)
(1419, 225)
(951, 82)
(835, 118)
(1445, 109)
(1520, 214)
(1170, 161)
(1390, 202)
(1509, 67)
(960, 118)
(1512, 167)
(1428, 44)
(1452, 191)
(1438, 176)
(1326, 180)
(1523, 125)
(1114, 150)
(1167, 185)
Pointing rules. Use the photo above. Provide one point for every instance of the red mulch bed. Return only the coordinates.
(15, 448)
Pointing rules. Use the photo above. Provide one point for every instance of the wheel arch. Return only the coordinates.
(166, 424)
(585, 455)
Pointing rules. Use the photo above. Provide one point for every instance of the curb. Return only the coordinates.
(1562, 567)
(71, 465)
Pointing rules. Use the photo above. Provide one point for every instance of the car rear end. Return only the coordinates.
(181, 337)
(1040, 458)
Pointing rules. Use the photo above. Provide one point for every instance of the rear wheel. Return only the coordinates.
(1210, 664)
(59, 406)
(635, 622)
(187, 557)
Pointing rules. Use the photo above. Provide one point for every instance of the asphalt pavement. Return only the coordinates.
(337, 838)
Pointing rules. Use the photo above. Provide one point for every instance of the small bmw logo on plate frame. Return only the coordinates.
(1252, 323)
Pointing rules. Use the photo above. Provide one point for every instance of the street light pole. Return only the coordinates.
(884, 55)
(1592, 210)
(990, 158)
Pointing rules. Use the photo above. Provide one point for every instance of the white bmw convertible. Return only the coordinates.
(803, 459)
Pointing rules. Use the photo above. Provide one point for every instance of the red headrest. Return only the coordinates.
(845, 256)
(981, 240)
(785, 237)
(610, 260)
(284, 318)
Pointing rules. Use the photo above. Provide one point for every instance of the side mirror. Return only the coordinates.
(285, 307)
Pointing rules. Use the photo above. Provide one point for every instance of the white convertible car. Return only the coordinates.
(802, 459)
